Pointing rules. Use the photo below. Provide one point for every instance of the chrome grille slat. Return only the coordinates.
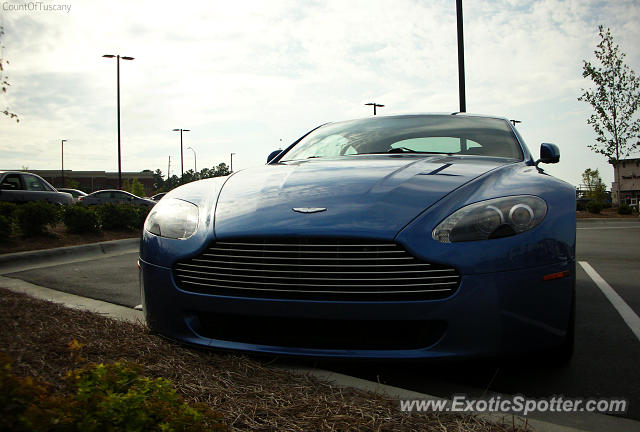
(318, 285)
(314, 269)
(309, 265)
(332, 292)
(234, 244)
(305, 258)
(182, 265)
(305, 251)
(323, 279)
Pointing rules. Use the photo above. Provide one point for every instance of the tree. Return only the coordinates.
(172, 182)
(71, 183)
(4, 80)
(596, 190)
(158, 181)
(615, 100)
(137, 188)
(221, 170)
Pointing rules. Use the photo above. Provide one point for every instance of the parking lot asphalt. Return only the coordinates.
(113, 279)
(606, 362)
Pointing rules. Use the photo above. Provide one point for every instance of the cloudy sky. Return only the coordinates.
(248, 77)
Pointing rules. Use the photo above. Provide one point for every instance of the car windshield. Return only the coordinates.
(426, 134)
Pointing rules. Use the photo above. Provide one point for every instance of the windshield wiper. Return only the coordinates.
(404, 150)
(401, 150)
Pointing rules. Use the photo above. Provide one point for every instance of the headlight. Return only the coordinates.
(495, 218)
(173, 218)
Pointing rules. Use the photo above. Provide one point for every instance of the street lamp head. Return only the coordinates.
(108, 56)
(176, 130)
(186, 130)
(64, 140)
(126, 58)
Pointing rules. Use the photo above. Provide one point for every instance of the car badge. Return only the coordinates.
(309, 209)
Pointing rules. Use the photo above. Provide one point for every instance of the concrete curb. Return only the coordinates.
(120, 313)
(20, 261)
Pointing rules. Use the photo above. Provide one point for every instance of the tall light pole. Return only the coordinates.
(62, 157)
(374, 106)
(181, 153)
(231, 169)
(461, 87)
(195, 164)
(118, 57)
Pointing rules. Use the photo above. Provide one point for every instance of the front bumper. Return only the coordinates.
(490, 314)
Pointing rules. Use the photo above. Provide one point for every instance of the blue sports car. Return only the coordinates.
(400, 237)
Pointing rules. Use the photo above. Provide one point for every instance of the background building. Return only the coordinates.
(629, 182)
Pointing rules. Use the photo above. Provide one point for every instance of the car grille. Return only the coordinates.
(315, 269)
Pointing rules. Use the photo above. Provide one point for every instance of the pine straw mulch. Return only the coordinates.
(248, 394)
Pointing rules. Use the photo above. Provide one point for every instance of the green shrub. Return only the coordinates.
(142, 213)
(6, 228)
(111, 397)
(624, 209)
(119, 217)
(79, 219)
(594, 207)
(32, 217)
(581, 206)
(7, 220)
(7, 209)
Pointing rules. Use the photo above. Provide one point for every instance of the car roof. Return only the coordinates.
(111, 190)
(18, 172)
(431, 114)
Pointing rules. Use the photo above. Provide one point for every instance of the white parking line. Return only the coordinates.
(627, 314)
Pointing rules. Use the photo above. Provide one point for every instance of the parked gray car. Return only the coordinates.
(114, 196)
(21, 187)
(75, 193)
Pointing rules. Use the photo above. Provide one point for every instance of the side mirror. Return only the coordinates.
(273, 154)
(549, 153)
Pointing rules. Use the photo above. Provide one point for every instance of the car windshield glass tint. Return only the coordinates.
(426, 134)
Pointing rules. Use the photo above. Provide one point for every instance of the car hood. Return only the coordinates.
(371, 196)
